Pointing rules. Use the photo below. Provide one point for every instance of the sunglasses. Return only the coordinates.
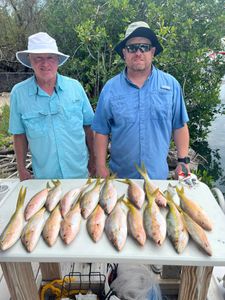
(133, 48)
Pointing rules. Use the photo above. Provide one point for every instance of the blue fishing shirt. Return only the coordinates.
(140, 122)
(53, 126)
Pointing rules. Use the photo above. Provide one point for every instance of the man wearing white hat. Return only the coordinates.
(50, 115)
(140, 109)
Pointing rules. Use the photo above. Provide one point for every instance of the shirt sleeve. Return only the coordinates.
(88, 113)
(101, 122)
(180, 115)
(15, 121)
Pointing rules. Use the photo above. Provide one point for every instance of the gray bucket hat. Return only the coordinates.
(40, 42)
(139, 29)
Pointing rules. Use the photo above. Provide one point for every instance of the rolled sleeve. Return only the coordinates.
(15, 122)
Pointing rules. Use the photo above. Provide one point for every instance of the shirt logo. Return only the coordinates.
(165, 87)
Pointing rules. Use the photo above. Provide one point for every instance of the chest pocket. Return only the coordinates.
(125, 109)
(35, 124)
(73, 113)
(160, 105)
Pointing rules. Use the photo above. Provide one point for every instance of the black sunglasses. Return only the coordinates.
(133, 48)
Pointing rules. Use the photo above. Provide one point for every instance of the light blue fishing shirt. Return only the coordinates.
(53, 126)
(140, 122)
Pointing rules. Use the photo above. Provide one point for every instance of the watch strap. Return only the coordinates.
(185, 159)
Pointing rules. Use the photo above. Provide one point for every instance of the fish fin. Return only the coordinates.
(56, 182)
(48, 186)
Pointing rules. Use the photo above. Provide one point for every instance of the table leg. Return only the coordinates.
(194, 283)
(50, 271)
(20, 281)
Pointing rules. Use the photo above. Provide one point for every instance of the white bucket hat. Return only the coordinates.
(40, 42)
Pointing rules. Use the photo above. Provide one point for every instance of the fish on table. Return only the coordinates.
(52, 226)
(108, 195)
(176, 229)
(116, 226)
(71, 197)
(154, 221)
(135, 223)
(194, 210)
(135, 193)
(70, 225)
(13, 229)
(197, 233)
(96, 223)
(33, 229)
(89, 199)
(54, 195)
(35, 203)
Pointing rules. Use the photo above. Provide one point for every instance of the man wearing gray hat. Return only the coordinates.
(50, 115)
(140, 109)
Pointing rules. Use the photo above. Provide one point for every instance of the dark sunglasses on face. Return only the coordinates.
(133, 48)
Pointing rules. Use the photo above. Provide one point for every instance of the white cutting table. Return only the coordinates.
(196, 265)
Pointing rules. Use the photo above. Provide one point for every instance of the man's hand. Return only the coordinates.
(92, 166)
(24, 174)
(182, 170)
(102, 171)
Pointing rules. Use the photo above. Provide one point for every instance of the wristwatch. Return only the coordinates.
(185, 159)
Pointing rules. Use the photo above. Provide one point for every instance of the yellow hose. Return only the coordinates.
(59, 291)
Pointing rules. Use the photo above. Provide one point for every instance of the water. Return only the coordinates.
(216, 137)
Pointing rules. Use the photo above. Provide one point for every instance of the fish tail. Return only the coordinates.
(151, 196)
(181, 191)
(142, 170)
(126, 180)
(88, 180)
(21, 197)
(97, 181)
(56, 182)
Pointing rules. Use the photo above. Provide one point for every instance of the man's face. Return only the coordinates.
(138, 61)
(45, 66)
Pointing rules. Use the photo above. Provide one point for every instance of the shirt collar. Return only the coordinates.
(34, 87)
(128, 80)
